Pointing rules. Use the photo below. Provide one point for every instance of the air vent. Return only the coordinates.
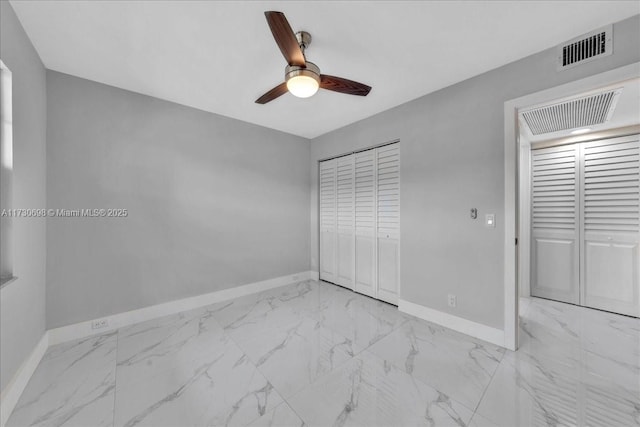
(575, 113)
(585, 48)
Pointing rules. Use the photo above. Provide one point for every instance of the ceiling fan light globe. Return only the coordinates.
(302, 82)
(302, 86)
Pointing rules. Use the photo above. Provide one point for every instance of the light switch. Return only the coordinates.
(490, 220)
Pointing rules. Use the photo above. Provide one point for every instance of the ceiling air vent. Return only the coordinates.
(585, 48)
(574, 113)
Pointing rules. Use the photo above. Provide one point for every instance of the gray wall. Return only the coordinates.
(213, 202)
(22, 302)
(452, 159)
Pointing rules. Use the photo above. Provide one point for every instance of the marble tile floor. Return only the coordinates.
(319, 355)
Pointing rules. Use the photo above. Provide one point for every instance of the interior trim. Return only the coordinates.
(360, 151)
(116, 321)
(594, 136)
(459, 324)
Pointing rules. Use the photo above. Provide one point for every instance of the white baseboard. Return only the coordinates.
(83, 329)
(314, 275)
(12, 391)
(467, 327)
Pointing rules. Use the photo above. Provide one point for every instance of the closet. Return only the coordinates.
(360, 221)
(585, 224)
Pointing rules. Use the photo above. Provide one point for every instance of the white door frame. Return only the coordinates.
(513, 262)
(524, 221)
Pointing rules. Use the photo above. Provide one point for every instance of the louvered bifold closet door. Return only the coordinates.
(365, 209)
(345, 220)
(610, 229)
(328, 221)
(555, 260)
(388, 222)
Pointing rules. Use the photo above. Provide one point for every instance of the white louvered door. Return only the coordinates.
(360, 222)
(365, 209)
(345, 221)
(388, 209)
(555, 260)
(610, 229)
(585, 218)
(328, 220)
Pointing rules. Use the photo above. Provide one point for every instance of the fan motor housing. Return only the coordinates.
(311, 70)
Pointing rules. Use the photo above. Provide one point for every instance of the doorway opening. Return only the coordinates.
(540, 193)
(581, 199)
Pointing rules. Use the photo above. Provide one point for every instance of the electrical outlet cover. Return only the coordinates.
(452, 300)
(99, 324)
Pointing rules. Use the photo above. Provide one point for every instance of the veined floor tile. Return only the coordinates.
(479, 421)
(612, 336)
(603, 344)
(184, 339)
(361, 319)
(554, 314)
(280, 416)
(317, 354)
(622, 373)
(258, 313)
(455, 364)
(368, 391)
(294, 357)
(73, 386)
(539, 339)
(530, 391)
(304, 298)
(80, 347)
(224, 389)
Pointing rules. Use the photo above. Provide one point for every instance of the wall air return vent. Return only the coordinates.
(585, 48)
(574, 113)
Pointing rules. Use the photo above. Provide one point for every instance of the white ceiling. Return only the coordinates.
(220, 56)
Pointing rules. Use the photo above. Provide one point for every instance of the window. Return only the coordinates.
(6, 176)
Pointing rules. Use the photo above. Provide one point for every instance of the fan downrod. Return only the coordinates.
(304, 39)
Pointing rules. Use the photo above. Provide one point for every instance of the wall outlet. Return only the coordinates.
(452, 300)
(99, 324)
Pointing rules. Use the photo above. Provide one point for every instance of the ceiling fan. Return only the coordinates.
(302, 78)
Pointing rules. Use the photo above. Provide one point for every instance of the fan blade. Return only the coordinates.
(285, 38)
(277, 91)
(338, 84)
